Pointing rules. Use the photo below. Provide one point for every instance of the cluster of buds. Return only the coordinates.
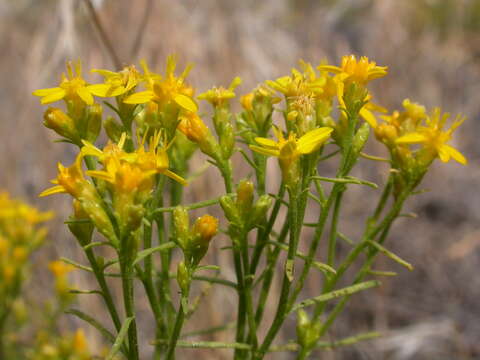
(20, 235)
(244, 213)
(194, 241)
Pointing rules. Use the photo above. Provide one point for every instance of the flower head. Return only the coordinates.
(116, 83)
(166, 90)
(219, 96)
(72, 88)
(360, 71)
(434, 138)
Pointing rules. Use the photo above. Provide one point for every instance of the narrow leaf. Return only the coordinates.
(336, 294)
(147, 252)
(120, 338)
(390, 254)
(87, 318)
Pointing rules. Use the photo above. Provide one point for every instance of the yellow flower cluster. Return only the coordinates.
(415, 137)
(20, 234)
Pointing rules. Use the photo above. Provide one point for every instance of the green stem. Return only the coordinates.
(269, 271)
(282, 309)
(332, 241)
(128, 298)
(176, 332)
(241, 314)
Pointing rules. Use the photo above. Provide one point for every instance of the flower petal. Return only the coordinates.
(313, 140)
(53, 190)
(186, 103)
(412, 138)
(100, 90)
(455, 154)
(141, 97)
(53, 96)
(264, 151)
(368, 116)
(85, 95)
(175, 177)
(268, 143)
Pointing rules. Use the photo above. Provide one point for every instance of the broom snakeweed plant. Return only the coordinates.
(119, 191)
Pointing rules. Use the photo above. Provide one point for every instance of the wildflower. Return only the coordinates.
(192, 126)
(167, 90)
(116, 83)
(72, 88)
(219, 96)
(360, 71)
(69, 180)
(434, 139)
(290, 149)
(61, 123)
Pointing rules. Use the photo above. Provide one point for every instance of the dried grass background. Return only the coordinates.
(432, 48)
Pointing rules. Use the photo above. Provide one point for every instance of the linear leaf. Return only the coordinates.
(390, 254)
(337, 293)
(147, 252)
(120, 338)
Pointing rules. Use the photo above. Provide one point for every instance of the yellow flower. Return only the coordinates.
(434, 139)
(167, 90)
(360, 71)
(79, 342)
(219, 96)
(69, 180)
(298, 83)
(72, 88)
(130, 171)
(291, 148)
(59, 268)
(116, 83)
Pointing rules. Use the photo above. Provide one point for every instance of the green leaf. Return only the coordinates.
(390, 255)
(85, 292)
(87, 318)
(336, 294)
(347, 180)
(208, 267)
(120, 338)
(147, 252)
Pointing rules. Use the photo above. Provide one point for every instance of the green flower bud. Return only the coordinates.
(183, 277)
(113, 129)
(181, 227)
(245, 197)
(259, 210)
(81, 230)
(227, 140)
(94, 122)
(361, 138)
(307, 332)
(230, 209)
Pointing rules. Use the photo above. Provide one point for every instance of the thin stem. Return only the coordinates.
(282, 308)
(176, 332)
(103, 35)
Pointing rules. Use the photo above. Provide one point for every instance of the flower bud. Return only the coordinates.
(181, 227)
(230, 209)
(61, 123)
(205, 228)
(94, 122)
(360, 138)
(259, 210)
(246, 101)
(244, 197)
(183, 277)
(81, 230)
(227, 140)
(307, 332)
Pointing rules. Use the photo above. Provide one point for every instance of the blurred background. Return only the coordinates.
(432, 48)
